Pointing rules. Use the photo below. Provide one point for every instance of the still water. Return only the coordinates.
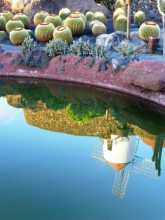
(71, 153)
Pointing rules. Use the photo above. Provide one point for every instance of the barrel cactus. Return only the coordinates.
(100, 17)
(3, 35)
(161, 6)
(120, 24)
(54, 19)
(94, 22)
(81, 15)
(2, 22)
(39, 17)
(44, 32)
(149, 29)
(13, 24)
(99, 28)
(90, 16)
(18, 35)
(117, 12)
(17, 5)
(22, 17)
(7, 15)
(139, 17)
(75, 23)
(64, 13)
(63, 33)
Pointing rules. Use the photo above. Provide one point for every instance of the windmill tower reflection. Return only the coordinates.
(120, 152)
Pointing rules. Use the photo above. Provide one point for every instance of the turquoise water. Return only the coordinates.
(48, 174)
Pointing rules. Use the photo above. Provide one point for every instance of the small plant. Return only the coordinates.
(63, 33)
(99, 28)
(139, 17)
(54, 19)
(39, 17)
(28, 46)
(13, 24)
(120, 24)
(56, 48)
(64, 13)
(18, 35)
(76, 24)
(44, 32)
(149, 29)
(85, 49)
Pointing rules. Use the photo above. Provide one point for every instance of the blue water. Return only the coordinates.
(54, 176)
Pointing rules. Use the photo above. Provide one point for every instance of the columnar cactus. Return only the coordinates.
(99, 28)
(44, 32)
(149, 29)
(117, 12)
(64, 13)
(120, 4)
(161, 7)
(12, 24)
(39, 17)
(139, 17)
(54, 19)
(120, 24)
(2, 22)
(18, 35)
(63, 33)
(75, 23)
(22, 17)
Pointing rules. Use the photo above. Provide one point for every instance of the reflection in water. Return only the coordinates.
(120, 123)
(122, 156)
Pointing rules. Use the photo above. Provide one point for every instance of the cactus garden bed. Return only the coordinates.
(88, 48)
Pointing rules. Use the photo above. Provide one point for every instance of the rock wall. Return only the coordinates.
(55, 5)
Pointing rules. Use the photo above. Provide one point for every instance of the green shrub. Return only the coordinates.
(75, 23)
(44, 32)
(39, 17)
(120, 24)
(28, 45)
(64, 13)
(22, 17)
(54, 19)
(13, 24)
(139, 17)
(63, 33)
(18, 35)
(149, 29)
(56, 48)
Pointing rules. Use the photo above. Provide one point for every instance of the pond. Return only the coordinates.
(73, 153)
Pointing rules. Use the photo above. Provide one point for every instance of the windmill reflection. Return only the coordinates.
(120, 152)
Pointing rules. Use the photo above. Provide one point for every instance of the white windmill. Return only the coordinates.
(121, 154)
